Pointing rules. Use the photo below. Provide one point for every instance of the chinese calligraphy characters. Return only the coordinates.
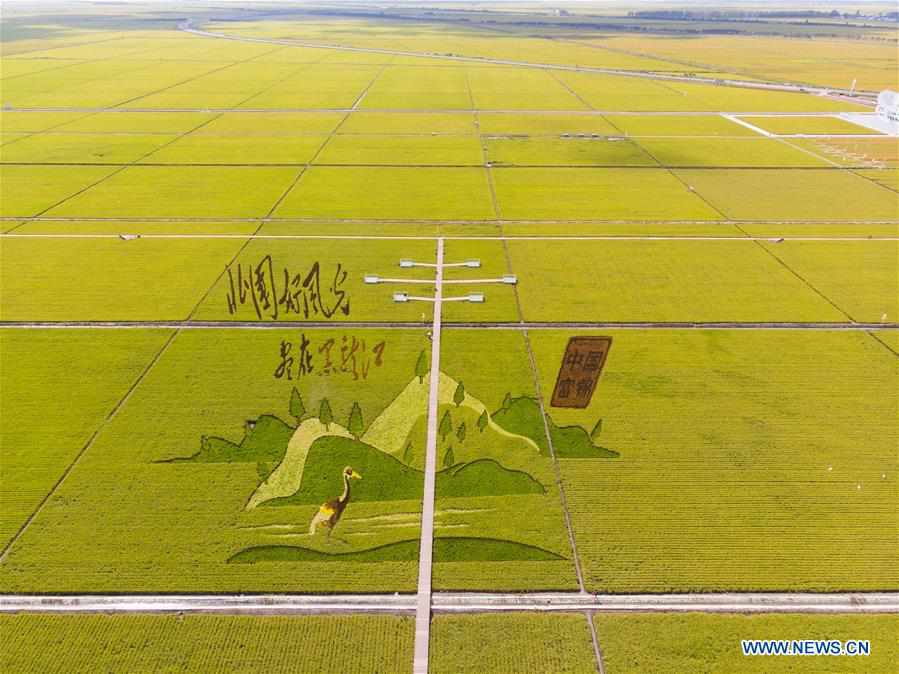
(272, 293)
(347, 355)
(581, 366)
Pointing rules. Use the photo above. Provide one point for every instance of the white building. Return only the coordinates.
(888, 106)
(885, 119)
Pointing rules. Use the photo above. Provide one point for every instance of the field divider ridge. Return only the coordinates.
(262, 221)
(597, 653)
(122, 167)
(457, 602)
(618, 72)
(195, 77)
(854, 170)
(87, 445)
(479, 237)
(192, 324)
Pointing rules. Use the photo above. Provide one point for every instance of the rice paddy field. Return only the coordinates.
(676, 640)
(193, 362)
(204, 643)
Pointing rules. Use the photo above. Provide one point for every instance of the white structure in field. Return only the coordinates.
(884, 120)
(888, 106)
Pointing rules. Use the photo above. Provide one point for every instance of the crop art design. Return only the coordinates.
(274, 292)
(335, 485)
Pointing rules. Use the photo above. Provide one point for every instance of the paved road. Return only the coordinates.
(459, 325)
(460, 602)
(426, 547)
(862, 164)
(416, 111)
(736, 236)
(862, 98)
(727, 602)
(21, 219)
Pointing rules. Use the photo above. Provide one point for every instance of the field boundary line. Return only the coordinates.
(324, 220)
(557, 469)
(303, 170)
(620, 131)
(854, 170)
(87, 445)
(690, 189)
(787, 136)
(821, 294)
(647, 55)
(504, 135)
(138, 161)
(262, 221)
(523, 326)
(247, 240)
(459, 602)
(178, 327)
(480, 237)
(804, 280)
(488, 168)
(193, 324)
(532, 362)
(752, 127)
(361, 97)
(122, 167)
(618, 72)
(299, 69)
(443, 111)
(571, 91)
(725, 217)
(473, 107)
(196, 77)
(68, 46)
(502, 167)
(486, 164)
(126, 56)
(594, 637)
(876, 338)
(48, 130)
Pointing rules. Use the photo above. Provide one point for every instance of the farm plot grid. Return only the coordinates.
(193, 361)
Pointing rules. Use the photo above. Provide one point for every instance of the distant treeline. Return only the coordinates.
(731, 15)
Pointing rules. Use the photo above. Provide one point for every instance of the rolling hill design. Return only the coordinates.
(446, 549)
(297, 465)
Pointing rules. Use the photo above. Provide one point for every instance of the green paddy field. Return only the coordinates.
(186, 221)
